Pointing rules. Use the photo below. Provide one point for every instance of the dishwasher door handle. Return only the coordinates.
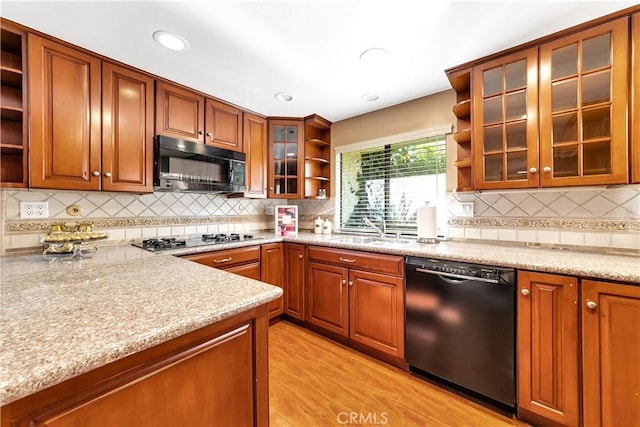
(455, 276)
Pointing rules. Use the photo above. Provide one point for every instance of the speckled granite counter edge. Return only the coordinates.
(25, 383)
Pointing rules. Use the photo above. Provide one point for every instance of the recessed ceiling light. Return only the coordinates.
(170, 40)
(374, 56)
(370, 97)
(283, 96)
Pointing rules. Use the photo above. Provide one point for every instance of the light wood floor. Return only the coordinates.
(317, 382)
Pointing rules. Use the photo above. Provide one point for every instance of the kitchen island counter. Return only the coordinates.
(60, 319)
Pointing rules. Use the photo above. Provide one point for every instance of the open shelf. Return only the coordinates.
(317, 160)
(460, 80)
(462, 109)
(462, 136)
(318, 142)
(13, 130)
(462, 163)
(317, 163)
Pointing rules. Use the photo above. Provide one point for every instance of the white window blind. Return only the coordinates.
(390, 182)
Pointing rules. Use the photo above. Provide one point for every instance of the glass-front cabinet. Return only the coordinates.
(505, 122)
(583, 107)
(286, 158)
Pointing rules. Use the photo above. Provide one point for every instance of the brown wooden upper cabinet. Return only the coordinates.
(635, 99)
(91, 122)
(583, 107)
(185, 114)
(552, 112)
(254, 132)
(505, 105)
(286, 158)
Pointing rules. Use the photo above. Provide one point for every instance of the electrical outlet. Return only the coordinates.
(33, 210)
(465, 209)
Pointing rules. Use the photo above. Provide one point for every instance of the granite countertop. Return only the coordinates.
(58, 316)
(624, 268)
(62, 318)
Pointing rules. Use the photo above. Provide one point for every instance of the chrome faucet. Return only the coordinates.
(382, 231)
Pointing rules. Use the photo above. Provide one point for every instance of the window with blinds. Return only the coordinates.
(390, 182)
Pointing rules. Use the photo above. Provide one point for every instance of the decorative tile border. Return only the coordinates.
(550, 223)
(26, 226)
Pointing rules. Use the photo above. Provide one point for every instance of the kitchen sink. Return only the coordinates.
(369, 240)
(355, 239)
(389, 241)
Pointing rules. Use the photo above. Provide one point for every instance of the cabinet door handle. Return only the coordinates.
(200, 132)
(344, 282)
(547, 169)
(350, 283)
(533, 170)
(107, 174)
(347, 259)
(525, 292)
(222, 260)
(299, 256)
(95, 173)
(591, 305)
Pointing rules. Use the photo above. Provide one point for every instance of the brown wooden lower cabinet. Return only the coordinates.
(360, 297)
(217, 375)
(547, 348)
(272, 272)
(610, 354)
(294, 291)
(260, 262)
(578, 351)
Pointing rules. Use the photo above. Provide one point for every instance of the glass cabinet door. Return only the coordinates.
(284, 171)
(505, 122)
(582, 112)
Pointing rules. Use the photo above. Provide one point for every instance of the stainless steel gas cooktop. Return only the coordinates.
(166, 243)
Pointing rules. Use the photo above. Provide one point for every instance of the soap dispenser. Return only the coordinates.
(317, 225)
(326, 227)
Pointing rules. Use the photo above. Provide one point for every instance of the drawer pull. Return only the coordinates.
(222, 260)
(347, 259)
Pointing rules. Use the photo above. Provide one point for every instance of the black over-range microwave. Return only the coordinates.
(186, 166)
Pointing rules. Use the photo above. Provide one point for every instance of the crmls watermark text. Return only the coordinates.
(369, 418)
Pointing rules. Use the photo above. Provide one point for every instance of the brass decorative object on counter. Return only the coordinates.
(72, 240)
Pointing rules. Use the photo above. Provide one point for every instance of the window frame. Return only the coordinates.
(380, 143)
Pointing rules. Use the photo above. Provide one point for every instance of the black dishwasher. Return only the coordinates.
(460, 325)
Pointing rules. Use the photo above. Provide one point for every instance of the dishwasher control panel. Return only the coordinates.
(462, 270)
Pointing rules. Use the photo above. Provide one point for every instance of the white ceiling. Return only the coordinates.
(245, 51)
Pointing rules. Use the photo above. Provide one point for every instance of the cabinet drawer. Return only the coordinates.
(227, 257)
(361, 260)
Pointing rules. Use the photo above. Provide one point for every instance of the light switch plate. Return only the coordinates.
(34, 210)
(465, 209)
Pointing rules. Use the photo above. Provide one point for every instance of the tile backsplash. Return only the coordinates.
(131, 216)
(594, 216)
